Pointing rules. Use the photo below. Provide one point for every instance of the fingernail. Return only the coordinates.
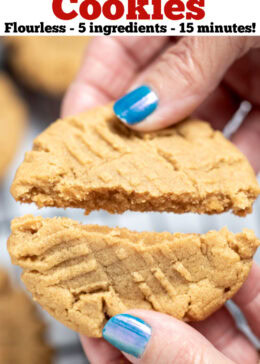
(127, 333)
(136, 105)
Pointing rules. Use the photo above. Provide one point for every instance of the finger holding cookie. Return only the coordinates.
(151, 337)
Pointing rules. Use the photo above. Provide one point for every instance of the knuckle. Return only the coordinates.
(238, 45)
(190, 354)
(184, 352)
(184, 63)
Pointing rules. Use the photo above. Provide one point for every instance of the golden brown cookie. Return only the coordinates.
(46, 64)
(82, 275)
(21, 329)
(12, 121)
(93, 161)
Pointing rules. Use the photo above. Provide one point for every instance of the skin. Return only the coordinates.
(207, 77)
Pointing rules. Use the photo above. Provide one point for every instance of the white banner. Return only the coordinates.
(126, 17)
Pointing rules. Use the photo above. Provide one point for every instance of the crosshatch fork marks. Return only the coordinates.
(92, 166)
(119, 270)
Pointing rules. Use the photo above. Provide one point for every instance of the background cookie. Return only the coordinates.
(12, 121)
(84, 274)
(21, 329)
(46, 64)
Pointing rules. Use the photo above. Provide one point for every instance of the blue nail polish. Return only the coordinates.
(127, 333)
(136, 105)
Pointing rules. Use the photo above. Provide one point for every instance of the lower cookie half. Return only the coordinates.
(84, 274)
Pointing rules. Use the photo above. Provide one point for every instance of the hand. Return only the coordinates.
(202, 74)
(207, 77)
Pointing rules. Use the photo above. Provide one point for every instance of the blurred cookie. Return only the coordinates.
(21, 329)
(2, 53)
(85, 274)
(4, 282)
(46, 64)
(12, 121)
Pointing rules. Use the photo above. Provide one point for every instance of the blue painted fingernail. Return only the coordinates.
(136, 105)
(128, 333)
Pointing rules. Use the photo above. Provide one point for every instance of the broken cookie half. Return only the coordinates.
(93, 161)
(83, 275)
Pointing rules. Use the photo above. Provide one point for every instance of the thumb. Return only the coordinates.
(179, 81)
(147, 337)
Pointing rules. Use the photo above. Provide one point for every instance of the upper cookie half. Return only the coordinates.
(93, 161)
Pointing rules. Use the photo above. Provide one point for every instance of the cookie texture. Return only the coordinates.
(46, 64)
(82, 275)
(93, 161)
(12, 121)
(21, 329)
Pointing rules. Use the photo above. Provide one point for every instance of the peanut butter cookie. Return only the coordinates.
(82, 275)
(93, 161)
(46, 64)
(21, 329)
